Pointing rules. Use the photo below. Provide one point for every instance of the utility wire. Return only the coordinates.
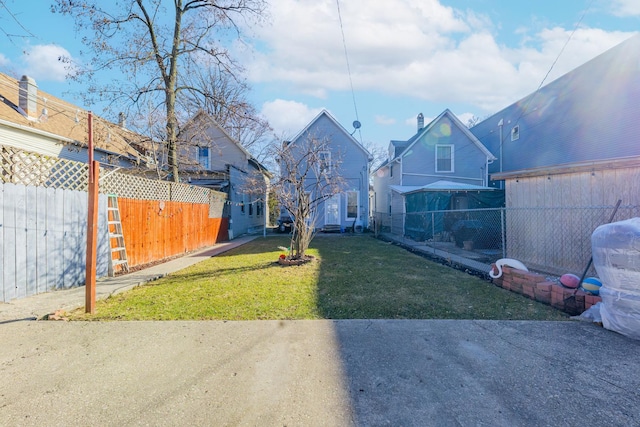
(346, 56)
(532, 96)
(10, 36)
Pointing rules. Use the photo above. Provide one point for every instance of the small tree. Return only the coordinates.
(307, 179)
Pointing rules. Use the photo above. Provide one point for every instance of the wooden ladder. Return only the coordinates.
(116, 238)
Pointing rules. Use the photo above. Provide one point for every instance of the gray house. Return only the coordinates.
(566, 154)
(342, 156)
(212, 158)
(443, 166)
(584, 122)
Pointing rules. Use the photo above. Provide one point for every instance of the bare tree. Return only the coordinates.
(307, 179)
(223, 95)
(150, 42)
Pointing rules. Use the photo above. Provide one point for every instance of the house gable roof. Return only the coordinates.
(64, 122)
(341, 128)
(587, 115)
(447, 113)
(203, 119)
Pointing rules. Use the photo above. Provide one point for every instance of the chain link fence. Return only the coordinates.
(549, 240)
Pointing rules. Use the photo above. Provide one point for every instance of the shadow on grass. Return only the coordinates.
(362, 277)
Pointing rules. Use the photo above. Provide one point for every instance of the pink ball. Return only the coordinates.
(570, 280)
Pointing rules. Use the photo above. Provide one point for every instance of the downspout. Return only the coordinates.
(500, 125)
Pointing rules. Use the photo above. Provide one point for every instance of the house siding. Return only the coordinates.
(350, 161)
(419, 161)
(588, 114)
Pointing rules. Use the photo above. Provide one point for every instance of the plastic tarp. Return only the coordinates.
(418, 224)
(616, 258)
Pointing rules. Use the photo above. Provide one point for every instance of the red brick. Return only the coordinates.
(545, 286)
(542, 292)
(557, 300)
(556, 289)
(519, 280)
(528, 290)
(591, 299)
(531, 277)
(516, 287)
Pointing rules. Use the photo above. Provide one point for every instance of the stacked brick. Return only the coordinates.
(537, 287)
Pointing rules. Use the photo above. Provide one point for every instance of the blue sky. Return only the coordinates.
(406, 56)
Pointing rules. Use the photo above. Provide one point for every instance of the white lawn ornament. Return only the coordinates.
(513, 263)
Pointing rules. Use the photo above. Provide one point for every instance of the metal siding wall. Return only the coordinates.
(20, 139)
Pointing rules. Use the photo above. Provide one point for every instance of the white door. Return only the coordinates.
(332, 210)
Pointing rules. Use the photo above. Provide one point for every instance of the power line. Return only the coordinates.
(532, 96)
(10, 36)
(346, 55)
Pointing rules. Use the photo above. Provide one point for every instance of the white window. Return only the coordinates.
(324, 158)
(515, 133)
(203, 157)
(352, 205)
(444, 158)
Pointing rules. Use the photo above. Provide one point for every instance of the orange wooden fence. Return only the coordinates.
(155, 230)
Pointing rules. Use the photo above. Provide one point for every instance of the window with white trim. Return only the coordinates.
(352, 204)
(444, 158)
(324, 158)
(515, 133)
(203, 157)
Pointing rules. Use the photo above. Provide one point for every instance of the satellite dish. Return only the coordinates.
(356, 124)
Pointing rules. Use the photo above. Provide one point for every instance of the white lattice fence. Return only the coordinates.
(134, 187)
(22, 167)
(32, 169)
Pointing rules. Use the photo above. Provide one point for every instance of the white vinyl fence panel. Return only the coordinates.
(43, 235)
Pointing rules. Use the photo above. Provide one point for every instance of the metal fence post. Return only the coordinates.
(503, 234)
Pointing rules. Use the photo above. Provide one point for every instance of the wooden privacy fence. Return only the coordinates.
(43, 221)
(43, 234)
(154, 230)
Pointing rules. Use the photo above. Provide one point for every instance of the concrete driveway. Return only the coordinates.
(318, 373)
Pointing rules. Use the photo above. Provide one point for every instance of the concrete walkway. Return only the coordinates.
(36, 306)
(318, 373)
(307, 373)
(454, 255)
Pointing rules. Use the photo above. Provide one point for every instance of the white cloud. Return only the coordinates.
(288, 118)
(626, 7)
(413, 48)
(384, 120)
(43, 62)
(4, 61)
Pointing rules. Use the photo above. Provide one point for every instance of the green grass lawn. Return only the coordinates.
(352, 277)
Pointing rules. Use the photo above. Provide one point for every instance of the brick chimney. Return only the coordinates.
(122, 121)
(28, 97)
